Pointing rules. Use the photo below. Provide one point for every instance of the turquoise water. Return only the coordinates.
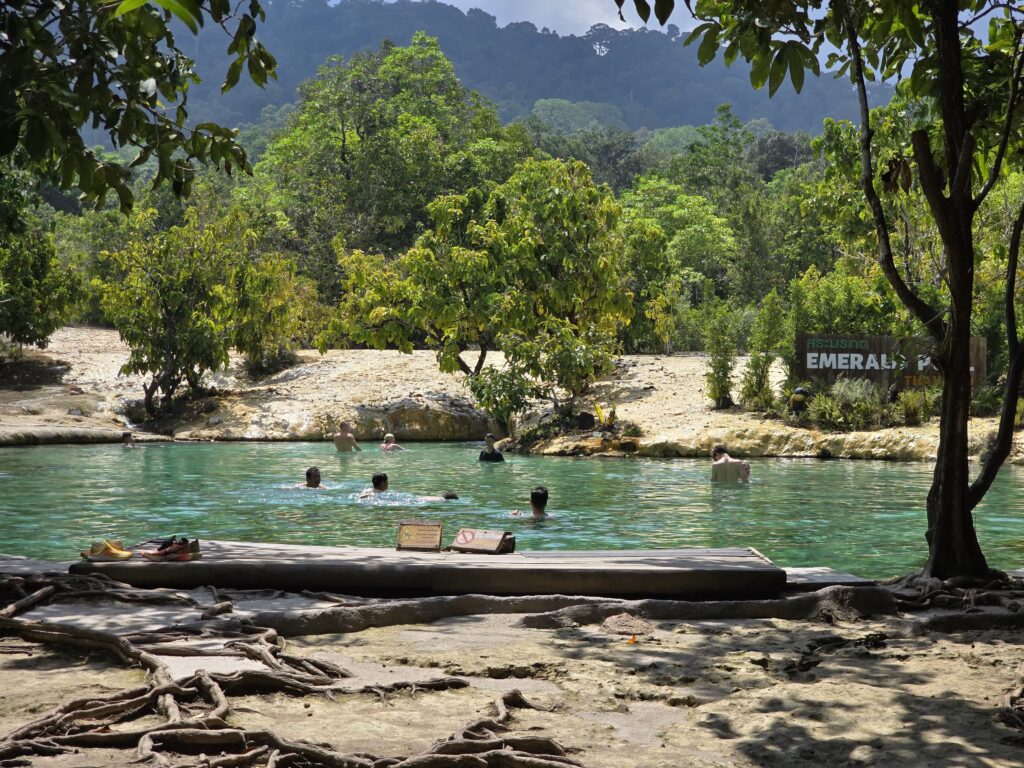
(865, 517)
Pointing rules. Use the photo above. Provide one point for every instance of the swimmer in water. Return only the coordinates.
(389, 444)
(538, 504)
(127, 440)
(380, 485)
(345, 441)
(312, 479)
(724, 468)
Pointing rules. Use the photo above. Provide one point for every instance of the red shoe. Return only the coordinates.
(172, 550)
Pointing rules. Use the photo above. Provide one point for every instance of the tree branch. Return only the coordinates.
(928, 315)
(993, 176)
(1011, 392)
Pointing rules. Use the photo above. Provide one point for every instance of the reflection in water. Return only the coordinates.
(866, 517)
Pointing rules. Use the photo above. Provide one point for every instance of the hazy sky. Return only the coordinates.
(564, 16)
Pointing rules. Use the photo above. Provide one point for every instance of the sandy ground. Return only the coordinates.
(702, 694)
(72, 392)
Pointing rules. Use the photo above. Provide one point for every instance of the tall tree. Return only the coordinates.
(66, 65)
(974, 88)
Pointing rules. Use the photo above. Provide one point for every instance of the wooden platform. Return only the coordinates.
(669, 573)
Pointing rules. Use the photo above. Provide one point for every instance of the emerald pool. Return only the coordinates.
(861, 516)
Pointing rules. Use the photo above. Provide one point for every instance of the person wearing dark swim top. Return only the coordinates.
(490, 453)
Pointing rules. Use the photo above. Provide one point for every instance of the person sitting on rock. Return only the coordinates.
(345, 441)
(389, 444)
(725, 468)
(538, 504)
(380, 484)
(490, 453)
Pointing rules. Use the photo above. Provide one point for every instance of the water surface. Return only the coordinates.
(862, 516)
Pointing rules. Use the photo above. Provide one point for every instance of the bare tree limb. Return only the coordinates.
(928, 315)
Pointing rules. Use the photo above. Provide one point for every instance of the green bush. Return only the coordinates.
(826, 411)
(915, 406)
(987, 400)
(851, 404)
(756, 392)
(721, 340)
(503, 393)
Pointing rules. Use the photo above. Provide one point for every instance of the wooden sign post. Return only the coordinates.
(484, 542)
(419, 535)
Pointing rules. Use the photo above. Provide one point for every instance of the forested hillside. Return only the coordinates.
(513, 66)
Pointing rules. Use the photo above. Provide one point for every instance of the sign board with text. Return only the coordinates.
(886, 360)
(485, 542)
(419, 535)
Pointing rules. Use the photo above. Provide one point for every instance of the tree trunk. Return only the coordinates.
(953, 547)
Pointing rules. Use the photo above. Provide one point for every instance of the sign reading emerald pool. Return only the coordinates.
(883, 359)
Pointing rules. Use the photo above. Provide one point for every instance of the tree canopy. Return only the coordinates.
(70, 65)
(970, 83)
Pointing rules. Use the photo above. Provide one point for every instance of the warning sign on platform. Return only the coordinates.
(488, 542)
(419, 535)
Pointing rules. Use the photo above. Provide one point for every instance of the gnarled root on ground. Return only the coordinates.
(1012, 711)
(89, 722)
(830, 604)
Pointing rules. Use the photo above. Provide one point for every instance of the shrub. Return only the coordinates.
(987, 400)
(915, 406)
(501, 392)
(826, 411)
(721, 331)
(767, 329)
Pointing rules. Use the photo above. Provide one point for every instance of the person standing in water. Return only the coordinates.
(727, 469)
(389, 444)
(345, 441)
(490, 453)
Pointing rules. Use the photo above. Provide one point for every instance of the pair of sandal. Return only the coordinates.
(174, 550)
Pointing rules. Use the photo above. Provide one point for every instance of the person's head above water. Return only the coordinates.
(344, 427)
(539, 499)
(450, 496)
(489, 439)
(313, 477)
(127, 438)
(389, 438)
(380, 481)
(718, 451)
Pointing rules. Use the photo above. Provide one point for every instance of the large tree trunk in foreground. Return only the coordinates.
(953, 548)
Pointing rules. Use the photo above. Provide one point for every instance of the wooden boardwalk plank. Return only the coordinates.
(676, 573)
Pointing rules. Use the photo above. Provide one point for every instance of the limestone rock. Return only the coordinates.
(626, 624)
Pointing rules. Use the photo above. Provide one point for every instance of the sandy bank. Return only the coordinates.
(72, 392)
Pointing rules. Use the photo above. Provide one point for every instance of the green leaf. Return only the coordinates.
(778, 72)
(796, 67)
(186, 10)
(128, 5)
(708, 47)
(663, 9)
(643, 9)
(759, 68)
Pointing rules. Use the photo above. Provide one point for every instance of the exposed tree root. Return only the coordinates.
(356, 618)
(1012, 712)
(830, 604)
(88, 722)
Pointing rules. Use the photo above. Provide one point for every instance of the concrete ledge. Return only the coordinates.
(669, 573)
